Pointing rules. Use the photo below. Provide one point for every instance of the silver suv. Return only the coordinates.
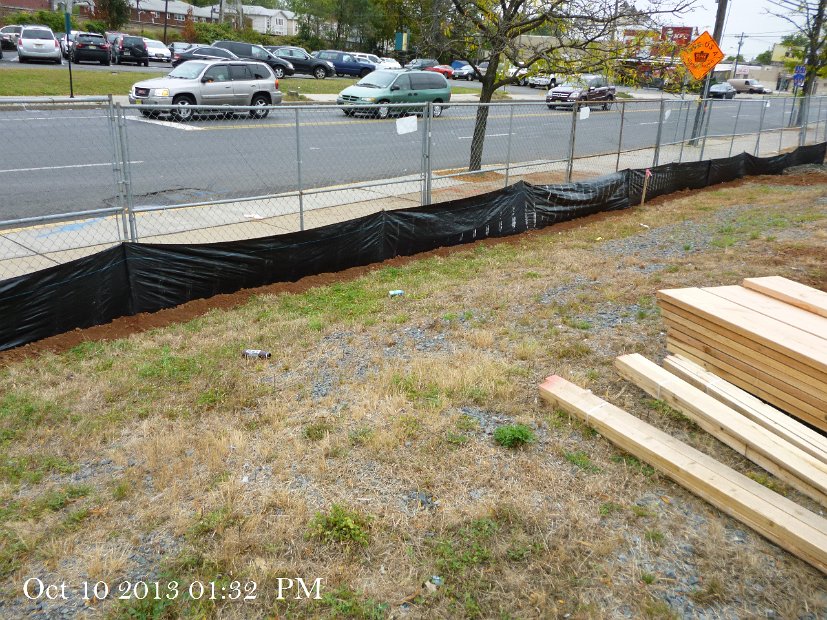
(209, 83)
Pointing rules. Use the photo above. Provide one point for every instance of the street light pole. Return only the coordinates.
(740, 43)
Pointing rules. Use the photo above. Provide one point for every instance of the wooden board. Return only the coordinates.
(773, 308)
(755, 326)
(784, 364)
(793, 528)
(791, 292)
(786, 427)
(785, 379)
(765, 449)
(751, 367)
(753, 387)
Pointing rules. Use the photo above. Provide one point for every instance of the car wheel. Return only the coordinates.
(183, 112)
(437, 109)
(530, 85)
(607, 105)
(469, 78)
(319, 73)
(146, 63)
(364, 72)
(383, 111)
(260, 101)
(347, 112)
(118, 60)
(552, 107)
(278, 72)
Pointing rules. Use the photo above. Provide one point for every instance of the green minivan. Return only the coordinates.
(380, 88)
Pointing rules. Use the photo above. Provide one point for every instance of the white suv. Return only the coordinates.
(209, 83)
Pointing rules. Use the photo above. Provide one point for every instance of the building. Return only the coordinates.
(264, 20)
(782, 53)
(151, 13)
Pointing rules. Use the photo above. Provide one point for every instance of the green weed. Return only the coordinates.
(514, 435)
(581, 460)
(340, 525)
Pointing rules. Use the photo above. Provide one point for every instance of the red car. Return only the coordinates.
(445, 70)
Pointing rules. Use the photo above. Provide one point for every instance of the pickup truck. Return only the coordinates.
(583, 90)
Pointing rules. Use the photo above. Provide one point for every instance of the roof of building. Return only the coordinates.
(172, 6)
(254, 9)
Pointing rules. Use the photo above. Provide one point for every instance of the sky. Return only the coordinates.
(747, 16)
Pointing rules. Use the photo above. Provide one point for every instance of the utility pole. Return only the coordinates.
(738, 54)
(700, 111)
(166, 16)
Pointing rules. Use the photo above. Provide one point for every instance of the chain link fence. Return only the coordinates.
(84, 174)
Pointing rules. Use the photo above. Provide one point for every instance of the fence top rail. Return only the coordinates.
(42, 100)
(57, 217)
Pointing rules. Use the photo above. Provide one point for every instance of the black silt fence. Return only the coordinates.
(142, 277)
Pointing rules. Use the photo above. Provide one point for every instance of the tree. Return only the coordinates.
(808, 18)
(114, 12)
(582, 38)
(732, 58)
(764, 58)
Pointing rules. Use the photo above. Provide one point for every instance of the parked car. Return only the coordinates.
(749, 86)
(380, 63)
(482, 68)
(9, 35)
(464, 72)
(157, 50)
(542, 81)
(445, 70)
(385, 86)
(346, 63)
(90, 46)
(390, 63)
(111, 37)
(280, 66)
(38, 43)
(209, 82)
(422, 63)
(302, 61)
(520, 72)
(203, 52)
(176, 47)
(128, 48)
(65, 41)
(579, 91)
(725, 90)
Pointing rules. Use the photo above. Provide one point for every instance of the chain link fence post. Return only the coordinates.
(426, 154)
(805, 120)
(126, 168)
(117, 169)
(570, 164)
(735, 128)
(706, 130)
(783, 121)
(620, 135)
(764, 102)
(659, 134)
(299, 170)
(508, 148)
(683, 134)
(818, 120)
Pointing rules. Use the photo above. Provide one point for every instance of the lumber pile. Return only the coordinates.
(782, 521)
(768, 337)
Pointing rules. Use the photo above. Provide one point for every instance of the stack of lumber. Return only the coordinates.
(768, 337)
(782, 521)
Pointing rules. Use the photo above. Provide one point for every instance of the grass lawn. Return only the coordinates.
(396, 447)
(49, 82)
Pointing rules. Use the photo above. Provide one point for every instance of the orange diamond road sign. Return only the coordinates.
(701, 56)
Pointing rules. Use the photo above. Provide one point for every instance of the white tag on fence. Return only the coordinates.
(584, 112)
(666, 115)
(406, 124)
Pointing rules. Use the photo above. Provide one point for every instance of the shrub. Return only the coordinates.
(340, 525)
(514, 435)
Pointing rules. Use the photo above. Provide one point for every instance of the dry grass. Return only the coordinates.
(167, 455)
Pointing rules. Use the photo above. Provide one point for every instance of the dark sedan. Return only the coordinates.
(722, 91)
(203, 52)
(302, 61)
(90, 46)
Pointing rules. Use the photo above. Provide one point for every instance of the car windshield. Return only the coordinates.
(373, 58)
(187, 71)
(37, 34)
(378, 79)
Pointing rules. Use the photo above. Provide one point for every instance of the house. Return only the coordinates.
(264, 20)
(151, 12)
